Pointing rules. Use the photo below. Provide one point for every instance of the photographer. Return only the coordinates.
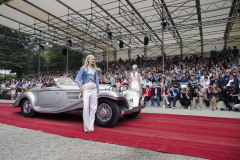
(185, 97)
(227, 86)
(192, 83)
(231, 96)
(198, 96)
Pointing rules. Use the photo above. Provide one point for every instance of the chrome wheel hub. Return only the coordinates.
(27, 106)
(104, 112)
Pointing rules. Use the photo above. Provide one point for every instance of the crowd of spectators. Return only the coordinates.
(189, 80)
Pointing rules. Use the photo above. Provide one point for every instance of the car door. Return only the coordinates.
(49, 97)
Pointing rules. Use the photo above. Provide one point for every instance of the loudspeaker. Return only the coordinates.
(70, 43)
(164, 24)
(109, 35)
(121, 44)
(64, 51)
(146, 39)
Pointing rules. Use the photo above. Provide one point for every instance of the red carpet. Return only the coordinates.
(205, 137)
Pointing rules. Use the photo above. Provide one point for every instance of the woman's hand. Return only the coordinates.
(81, 90)
(97, 95)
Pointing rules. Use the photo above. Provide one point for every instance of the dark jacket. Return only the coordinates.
(158, 92)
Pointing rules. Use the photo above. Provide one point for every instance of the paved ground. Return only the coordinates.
(21, 143)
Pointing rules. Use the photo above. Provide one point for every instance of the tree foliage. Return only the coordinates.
(20, 54)
(3, 1)
(55, 60)
(13, 53)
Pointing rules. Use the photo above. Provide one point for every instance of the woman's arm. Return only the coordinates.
(97, 81)
(139, 82)
(79, 77)
(130, 81)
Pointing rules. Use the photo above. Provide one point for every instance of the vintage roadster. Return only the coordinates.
(65, 97)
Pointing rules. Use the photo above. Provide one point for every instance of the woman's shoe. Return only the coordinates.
(212, 109)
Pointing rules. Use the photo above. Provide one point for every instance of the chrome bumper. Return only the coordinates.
(135, 109)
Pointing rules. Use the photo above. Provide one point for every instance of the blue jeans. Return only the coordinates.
(174, 99)
(158, 101)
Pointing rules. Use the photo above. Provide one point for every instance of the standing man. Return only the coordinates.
(155, 95)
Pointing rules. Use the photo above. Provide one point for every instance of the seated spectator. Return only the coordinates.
(185, 97)
(173, 94)
(164, 95)
(51, 83)
(213, 94)
(107, 81)
(231, 96)
(147, 94)
(155, 95)
(149, 83)
(198, 96)
(163, 82)
(143, 82)
(226, 78)
(227, 85)
(174, 82)
(205, 83)
(184, 79)
(192, 82)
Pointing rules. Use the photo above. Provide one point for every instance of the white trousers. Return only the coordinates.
(90, 101)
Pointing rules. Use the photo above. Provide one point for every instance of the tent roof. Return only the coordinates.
(190, 23)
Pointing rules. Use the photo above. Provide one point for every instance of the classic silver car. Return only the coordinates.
(65, 97)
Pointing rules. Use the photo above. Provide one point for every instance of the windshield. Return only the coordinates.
(64, 81)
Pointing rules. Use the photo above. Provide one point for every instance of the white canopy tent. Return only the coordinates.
(94, 26)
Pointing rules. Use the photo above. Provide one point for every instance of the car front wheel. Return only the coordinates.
(26, 108)
(107, 113)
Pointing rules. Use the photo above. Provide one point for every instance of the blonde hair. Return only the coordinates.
(86, 63)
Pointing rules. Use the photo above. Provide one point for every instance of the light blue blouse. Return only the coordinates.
(86, 74)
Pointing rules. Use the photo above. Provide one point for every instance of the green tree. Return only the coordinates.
(3, 1)
(55, 60)
(20, 53)
(14, 53)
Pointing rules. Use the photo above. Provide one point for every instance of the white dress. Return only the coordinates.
(135, 84)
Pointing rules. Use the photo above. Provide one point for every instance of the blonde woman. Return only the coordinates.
(87, 80)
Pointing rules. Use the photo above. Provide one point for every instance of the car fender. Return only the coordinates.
(115, 96)
(29, 95)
